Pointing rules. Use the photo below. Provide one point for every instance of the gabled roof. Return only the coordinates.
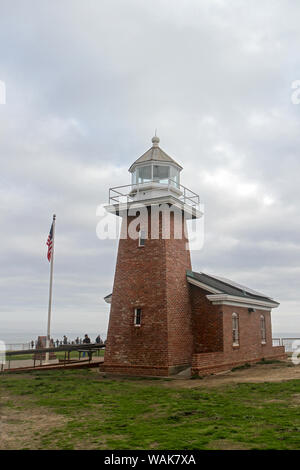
(222, 289)
(219, 285)
(155, 153)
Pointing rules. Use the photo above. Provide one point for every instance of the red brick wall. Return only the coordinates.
(207, 322)
(209, 363)
(180, 335)
(153, 278)
(178, 323)
(213, 340)
(250, 345)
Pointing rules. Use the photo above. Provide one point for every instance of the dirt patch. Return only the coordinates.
(295, 402)
(22, 428)
(226, 444)
(257, 373)
(156, 411)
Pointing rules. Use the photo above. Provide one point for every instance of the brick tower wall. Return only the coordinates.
(180, 335)
(152, 278)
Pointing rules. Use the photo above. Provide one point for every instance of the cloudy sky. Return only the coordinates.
(87, 82)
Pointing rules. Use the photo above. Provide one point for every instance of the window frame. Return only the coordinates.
(142, 179)
(137, 315)
(142, 239)
(235, 330)
(173, 172)
(263, 332)
(161, 179)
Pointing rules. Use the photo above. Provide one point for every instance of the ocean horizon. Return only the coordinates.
(23, 338)
(26, 337)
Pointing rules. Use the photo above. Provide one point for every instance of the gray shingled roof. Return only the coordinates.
(155, 153)
(225, 286)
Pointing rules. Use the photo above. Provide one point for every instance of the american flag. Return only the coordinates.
(50, 243)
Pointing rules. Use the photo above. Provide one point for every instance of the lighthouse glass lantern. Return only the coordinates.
(155, 166)
(155, 178)
(155, 174)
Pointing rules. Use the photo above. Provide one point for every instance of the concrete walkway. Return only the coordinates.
(53, 364)
(24, 363)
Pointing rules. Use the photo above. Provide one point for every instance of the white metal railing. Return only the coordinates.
(17, 346)
(286, 342)
(119, 194)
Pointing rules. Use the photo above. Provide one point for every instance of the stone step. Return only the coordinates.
(184, 374)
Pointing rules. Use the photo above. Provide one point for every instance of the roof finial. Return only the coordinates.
(155, 140)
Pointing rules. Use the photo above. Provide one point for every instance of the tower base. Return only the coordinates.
(144, 371)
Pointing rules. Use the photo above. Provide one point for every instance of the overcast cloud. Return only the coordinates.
(87, 83)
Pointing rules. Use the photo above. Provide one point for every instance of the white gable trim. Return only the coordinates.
(202, 285)
(225, 299)
(236, 304)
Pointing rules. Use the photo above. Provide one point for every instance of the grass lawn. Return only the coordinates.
(83, 410)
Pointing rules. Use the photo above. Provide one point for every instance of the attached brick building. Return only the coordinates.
(164, 317)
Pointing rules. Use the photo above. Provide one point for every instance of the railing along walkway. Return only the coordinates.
(39, 354)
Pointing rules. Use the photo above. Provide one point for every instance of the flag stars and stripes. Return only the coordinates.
(50, 243)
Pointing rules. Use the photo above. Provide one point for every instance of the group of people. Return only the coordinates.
(57, 342)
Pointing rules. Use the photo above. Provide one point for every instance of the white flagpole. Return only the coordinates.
(50, 290)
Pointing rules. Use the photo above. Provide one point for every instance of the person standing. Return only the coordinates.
(98, 339)
(86, 340)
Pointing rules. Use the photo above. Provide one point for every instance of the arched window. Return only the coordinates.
(235, 330)
(263, 329)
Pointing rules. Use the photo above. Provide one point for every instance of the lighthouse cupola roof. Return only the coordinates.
(155, 154)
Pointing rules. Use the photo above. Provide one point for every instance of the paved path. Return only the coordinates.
(24, 363)
(53, 364)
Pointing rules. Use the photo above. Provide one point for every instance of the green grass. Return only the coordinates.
(145, 414)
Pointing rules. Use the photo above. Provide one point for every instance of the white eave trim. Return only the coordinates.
(156, 162)
(203, 286)
(108, 299)
(119, 208)
(225, 299)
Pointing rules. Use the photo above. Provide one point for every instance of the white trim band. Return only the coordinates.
(225, 299)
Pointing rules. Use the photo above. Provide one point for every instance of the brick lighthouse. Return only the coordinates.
(164, 317)
(150, 326)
